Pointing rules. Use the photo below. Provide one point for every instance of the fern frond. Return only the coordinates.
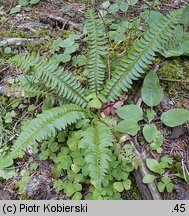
(35, 91)
(61, 82)
(141, 55)
(97, 51)
(45, 125)
(97, 138)
(30, 87)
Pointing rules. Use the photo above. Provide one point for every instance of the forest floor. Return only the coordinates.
(33, 29)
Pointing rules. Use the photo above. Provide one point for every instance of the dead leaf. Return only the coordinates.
(118, 104)
(177, 132)
(125, 138)
(107, 111)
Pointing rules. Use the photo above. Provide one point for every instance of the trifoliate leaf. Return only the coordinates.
(113, 8)
(67, 43)
(77, 196)
(123, 6)
(166, 180)
(64, 58)
(105, 4)
(127, 184)
(154, 166)
(118, 186)
(161, 187)
(170, 187)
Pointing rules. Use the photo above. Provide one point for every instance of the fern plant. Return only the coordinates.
(47, 77)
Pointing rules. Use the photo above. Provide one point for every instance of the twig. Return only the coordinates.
(62, 20)
(4, 69)
(174, 80)
(31, 26)
(146, 2)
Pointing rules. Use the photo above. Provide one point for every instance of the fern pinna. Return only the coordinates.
(97, 137)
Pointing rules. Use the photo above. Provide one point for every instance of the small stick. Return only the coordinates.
(62, 20)
(174, 80)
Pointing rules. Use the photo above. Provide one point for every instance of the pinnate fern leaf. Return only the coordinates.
(30, 87)
(141, 55)
(97, 138)
(53, 77)
(97, 51)
(45, 125)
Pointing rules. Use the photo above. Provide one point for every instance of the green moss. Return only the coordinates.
(5, 33)
(40, 46)
(133, 193)
(24, 196)
(178, 70)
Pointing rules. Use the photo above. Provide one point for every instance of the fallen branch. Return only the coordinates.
(143, 188)
(32, 25)
(143, 170)
(17, 41)
(62, 20)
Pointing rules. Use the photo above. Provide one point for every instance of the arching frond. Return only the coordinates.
(97, 51)
(45, 125)
(97, 138)
(141, 55)
(53, 77)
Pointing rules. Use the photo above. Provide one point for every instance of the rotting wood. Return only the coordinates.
(143, 170)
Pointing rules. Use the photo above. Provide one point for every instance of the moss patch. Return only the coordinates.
(178, 70)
